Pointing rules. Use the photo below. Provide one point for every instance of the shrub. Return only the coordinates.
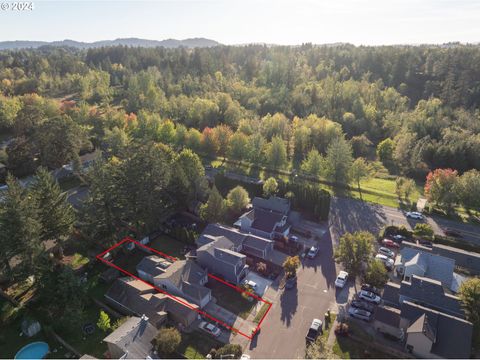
(167, 340)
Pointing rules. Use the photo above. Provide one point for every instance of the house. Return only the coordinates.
(223, 251)
(413, 261)
(134, 297)
(387, 321)
(221, 258)
(268, 218)
(183, 278)
(132, 340)
(434, 334)
(430, 293)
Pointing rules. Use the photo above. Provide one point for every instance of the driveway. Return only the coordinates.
(283, 331)
(262, 283)
(349, 215)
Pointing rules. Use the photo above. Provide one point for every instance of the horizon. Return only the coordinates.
(356, 22)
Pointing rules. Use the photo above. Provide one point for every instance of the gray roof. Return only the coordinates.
(257, 242)
(436, 267)
(153, 265)
(266, 220)
(134, 337)
(388, 315)
(391, 293)
(424, 326)
(274, 203)
(453, 335)
(215, 230)
(429, 292)
(186, 275)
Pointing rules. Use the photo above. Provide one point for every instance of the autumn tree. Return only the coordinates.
(440, 187)
(290, 265)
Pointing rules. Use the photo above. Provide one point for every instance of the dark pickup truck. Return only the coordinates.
(314, 330)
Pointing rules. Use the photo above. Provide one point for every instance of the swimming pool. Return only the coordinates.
(35, 350)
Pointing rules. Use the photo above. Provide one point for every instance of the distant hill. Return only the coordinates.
(169, 43)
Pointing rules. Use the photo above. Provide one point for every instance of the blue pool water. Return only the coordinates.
(36, 350)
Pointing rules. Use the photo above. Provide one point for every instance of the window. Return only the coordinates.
(164, 286)
(407, 278)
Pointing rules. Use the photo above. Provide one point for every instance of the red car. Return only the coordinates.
(390, 243)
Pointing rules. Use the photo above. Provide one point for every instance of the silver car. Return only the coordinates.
(369, 296)
(360, 314)
(414, 215)
(386, 251)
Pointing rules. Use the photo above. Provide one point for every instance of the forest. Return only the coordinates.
(340, 113)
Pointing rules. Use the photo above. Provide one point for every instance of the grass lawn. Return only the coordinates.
(197, 345)
(231, 299)
(169, 246)
(261, 312)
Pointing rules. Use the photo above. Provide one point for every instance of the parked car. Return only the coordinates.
(425, 243)
(362, 305)
(251, 284)
(293, 238)
(369, 296)
(312, 252)
(452, 232)
(210, 328)
(373, 289)
(360, 314)
(385, 260)
(390, 243)
(399, 238)
(314, 330)
(341, 279)
(386, 251)
(414, 215)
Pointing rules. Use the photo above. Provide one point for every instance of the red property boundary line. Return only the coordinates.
(181, 301)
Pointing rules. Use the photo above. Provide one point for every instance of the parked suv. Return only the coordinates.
(414, 215)
(373, 289)
(386, 261)
(386, 251)
(314, 330)
(369, 296)
(362, 305)
(360, 314)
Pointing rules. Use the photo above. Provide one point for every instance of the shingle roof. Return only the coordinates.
(430, 292)
(134, 337)
(266, 220)
(436, 267)
(422, 325)
(453, 335)
(274, 203)
(215, 230)
(257, 242)
(153, 265)
(388, 315)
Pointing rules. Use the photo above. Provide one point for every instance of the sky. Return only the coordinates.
(360, 22)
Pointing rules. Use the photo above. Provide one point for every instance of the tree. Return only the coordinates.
(167, 340)
(20, 229)
(210, 142)
(313, 164)
(276, 153)
(230, 351)
(222, 135)
(55, 214)
(290, 265)
(440, 187)
(238, 147)
(423, 231)
(468, 189)
(103, 322)
(270, 187)
(214, 209)
(385, 150)
(353, 251)
(237, 199)
(116, 142)
(319, 350)
(376, 274)
(359, 171)
(338, 161)
(469, 294)
(408, 187)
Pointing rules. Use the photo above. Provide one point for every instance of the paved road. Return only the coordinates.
(284, 329)
(348, 215)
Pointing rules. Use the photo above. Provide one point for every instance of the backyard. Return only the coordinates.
(231, 299)
(168, 245)
(197, 345)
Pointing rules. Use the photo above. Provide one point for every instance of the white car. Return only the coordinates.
(369, 296)
(210, 328)
(251, 284)
(386, 260)
(414, 215)
(341, 279)
(386, 251)
(312, 252)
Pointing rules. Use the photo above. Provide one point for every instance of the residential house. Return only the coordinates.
(387, 321)
(268, 218)
(413, 261)
(434, 334)
(183, 278)
(223, 251)
(132, 340)
(135, 297)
